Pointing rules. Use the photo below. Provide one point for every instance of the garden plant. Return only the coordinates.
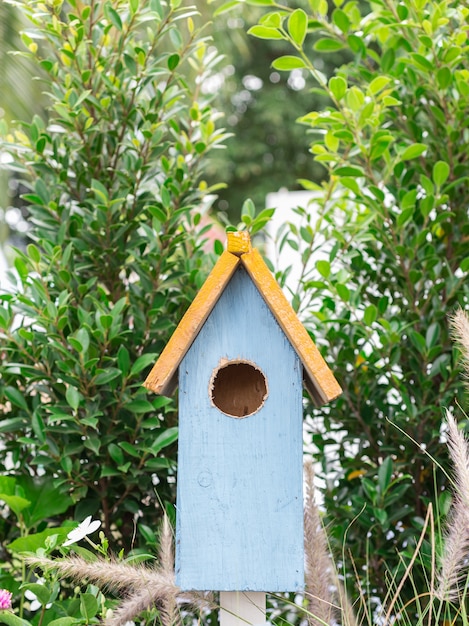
(390, 223)
(114, 182)
(113, 178)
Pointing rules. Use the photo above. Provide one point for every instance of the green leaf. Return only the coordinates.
(288, 63)
(105, 377)
(338, 87)
(10, 619)
(73, 397)
(432, 335)
(130, 449)
(218, 247)
(41, 592)
(248, 209)
(356, 44)
(341, 20)
(148, 534)
(422, 62)
(130, 63)
(378, 84)
(166, 438)
(224, 8)
(12, 425)
(405, 216)
(112, 15)
(409, 199)
(343, 292)
(173, 62)
(47, 500)
(83, 338)
(325, 44)
(385, 474)
(444, 77)
(116, 454)
(15, 397)
(142, 362)
(413, 151)
(381, 516)
(88, 606)
(100, 191)
(370, 314)
(370, 489)
(16, 503)
(347, 170)
(298, 26)
(8, 485)
(440, 173)
(418, 340)
(390, 101)
(64, 621)
(355, 98)
(123, 360)
(38, 426)
(324, 268)
(33, 253)
(265, 32)
(139, 406)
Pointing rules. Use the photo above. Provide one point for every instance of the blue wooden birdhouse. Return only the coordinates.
(240, 356)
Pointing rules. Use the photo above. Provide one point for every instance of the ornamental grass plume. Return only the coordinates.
(459, 323)
(169, 613)
(143, 587)
(453, 565)
(319, 577)
(109, 574)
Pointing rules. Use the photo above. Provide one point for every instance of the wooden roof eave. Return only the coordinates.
(163, 377)
(318, 378)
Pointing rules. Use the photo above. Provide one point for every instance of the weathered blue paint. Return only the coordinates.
(239, 499)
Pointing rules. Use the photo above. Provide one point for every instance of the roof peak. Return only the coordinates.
(318, 378)
(238, 242)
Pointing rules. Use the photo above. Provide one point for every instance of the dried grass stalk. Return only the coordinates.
(144, 586)
(110, 574)
(347, 612)
(459, 323)
(169, 612)
(456, 545)
(319, 577)
(141, 600)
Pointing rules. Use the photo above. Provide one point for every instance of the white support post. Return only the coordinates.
(242, 608)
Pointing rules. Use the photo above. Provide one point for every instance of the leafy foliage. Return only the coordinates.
(267, 151)
(393, 214)
(115, 193)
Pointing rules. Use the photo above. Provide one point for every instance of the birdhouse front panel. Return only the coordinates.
(239, 498)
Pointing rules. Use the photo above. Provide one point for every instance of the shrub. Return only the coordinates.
(115, 195)
(393, 214)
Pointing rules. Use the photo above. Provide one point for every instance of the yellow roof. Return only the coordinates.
(318, 378)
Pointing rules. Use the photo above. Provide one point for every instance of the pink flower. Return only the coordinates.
(5, 599)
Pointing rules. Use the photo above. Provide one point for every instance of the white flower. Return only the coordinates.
(32, 597)
(82, 530)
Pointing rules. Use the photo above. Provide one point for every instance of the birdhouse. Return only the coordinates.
(240, 356)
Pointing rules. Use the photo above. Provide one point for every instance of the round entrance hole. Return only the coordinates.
(238, 389)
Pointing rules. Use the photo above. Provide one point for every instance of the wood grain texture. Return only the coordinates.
(319, 380)
(239, 495)
(163, 377)
(238, 242)
(246, 608)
